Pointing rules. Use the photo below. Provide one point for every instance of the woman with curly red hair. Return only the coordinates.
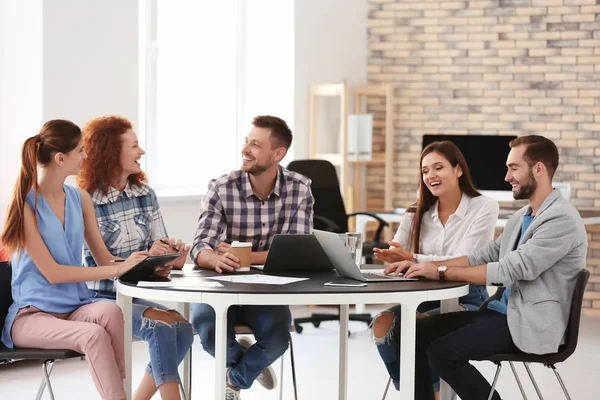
(130, 220)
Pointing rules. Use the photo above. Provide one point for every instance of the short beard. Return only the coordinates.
(256, 170)
(526, 191)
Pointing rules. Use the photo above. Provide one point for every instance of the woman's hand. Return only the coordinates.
(184, 249)
(131, 261)
(397, 268)
(163, 271)
(395, 253)
(160, 247)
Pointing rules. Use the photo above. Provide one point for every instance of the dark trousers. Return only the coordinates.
(447, 342)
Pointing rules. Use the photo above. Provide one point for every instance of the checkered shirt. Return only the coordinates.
(231, 211)
(129, 221)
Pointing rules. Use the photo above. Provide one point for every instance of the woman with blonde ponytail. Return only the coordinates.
(46, 224)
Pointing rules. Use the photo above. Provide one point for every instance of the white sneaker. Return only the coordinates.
(232, 394)
(267, 377)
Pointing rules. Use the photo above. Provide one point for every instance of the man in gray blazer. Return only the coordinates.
(537, 259)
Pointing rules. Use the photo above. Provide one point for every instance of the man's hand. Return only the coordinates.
(426, 270)
(395, 253)
(226, 262)
(398, 267)
(223, 247)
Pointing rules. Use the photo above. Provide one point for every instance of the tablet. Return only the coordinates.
(144, 270)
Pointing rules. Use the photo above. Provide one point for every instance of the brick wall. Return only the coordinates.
(508, 67)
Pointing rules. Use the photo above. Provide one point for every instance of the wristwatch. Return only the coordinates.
(442, 272)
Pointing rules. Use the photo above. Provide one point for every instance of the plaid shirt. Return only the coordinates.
(129, 221)
(231, 211)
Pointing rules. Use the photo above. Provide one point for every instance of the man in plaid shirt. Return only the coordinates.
(251, 205)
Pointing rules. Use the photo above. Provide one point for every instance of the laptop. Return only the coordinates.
(295, 252)
(345, 265)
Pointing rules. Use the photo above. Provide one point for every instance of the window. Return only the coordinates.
(209, 68)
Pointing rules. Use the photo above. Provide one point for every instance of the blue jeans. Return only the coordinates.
(389, 346)
(270, 326)
(167, 343)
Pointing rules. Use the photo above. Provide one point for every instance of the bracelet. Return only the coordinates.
(415, 259)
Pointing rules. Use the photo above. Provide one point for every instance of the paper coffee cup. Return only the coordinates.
(243, 251)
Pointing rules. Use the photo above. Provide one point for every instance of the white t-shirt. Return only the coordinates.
(469, 228)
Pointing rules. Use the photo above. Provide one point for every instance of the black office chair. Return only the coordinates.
(564, 351)
(549, 360)
(330, 215)
(329, 210)
(10, 355)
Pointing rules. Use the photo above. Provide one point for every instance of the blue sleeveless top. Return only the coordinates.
(29, 287)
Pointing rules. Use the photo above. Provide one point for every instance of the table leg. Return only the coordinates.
(408, 326)
(220, 350)
(343, 372)
(125, 303)
(449, 305)
(185, 369)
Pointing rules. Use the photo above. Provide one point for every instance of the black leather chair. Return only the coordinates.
(330, 215)
(549, 360)
(9, 355)
(329, 210)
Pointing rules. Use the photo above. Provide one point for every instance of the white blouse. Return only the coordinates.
(469, 228)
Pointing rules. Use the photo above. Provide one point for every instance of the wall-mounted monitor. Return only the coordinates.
(486, 156)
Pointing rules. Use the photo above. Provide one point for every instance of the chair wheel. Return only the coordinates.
(316, 324)
(298, 328)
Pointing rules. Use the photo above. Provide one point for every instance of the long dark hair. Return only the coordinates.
(56, 136)
(426, 199)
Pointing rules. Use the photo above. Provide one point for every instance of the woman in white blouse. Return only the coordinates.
(451, 219)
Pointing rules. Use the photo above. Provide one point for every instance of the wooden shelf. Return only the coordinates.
(355, 194)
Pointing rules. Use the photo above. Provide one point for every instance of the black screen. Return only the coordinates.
(485, 156)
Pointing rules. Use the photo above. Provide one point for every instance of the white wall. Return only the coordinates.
(331, 46)
(21, 86)
(90, 59)
(87, 56)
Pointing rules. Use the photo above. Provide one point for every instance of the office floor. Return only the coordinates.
(316, 353)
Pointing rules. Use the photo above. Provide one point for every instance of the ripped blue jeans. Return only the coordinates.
(167, 343)
(389, 345)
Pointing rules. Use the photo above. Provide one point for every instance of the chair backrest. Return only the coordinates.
(5, 291)
(325, 188)
(572, 333)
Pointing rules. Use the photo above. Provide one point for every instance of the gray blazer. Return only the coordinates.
(541, 272)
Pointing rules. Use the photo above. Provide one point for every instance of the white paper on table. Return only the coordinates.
(187, 283)
(257, 278)
(181, 272)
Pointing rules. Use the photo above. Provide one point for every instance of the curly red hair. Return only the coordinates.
(102, 143)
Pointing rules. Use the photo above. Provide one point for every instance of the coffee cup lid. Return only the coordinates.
(241, 244)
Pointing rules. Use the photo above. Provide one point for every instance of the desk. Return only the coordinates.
(312, 291)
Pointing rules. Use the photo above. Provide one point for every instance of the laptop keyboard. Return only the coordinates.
(376, 276)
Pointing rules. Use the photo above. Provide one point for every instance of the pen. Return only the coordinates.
(175, 249)
(116, 261)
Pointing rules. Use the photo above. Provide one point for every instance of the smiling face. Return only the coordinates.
(131, 152)
(439, 176)
(258, 152)
(72, 160)
(520, 174)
